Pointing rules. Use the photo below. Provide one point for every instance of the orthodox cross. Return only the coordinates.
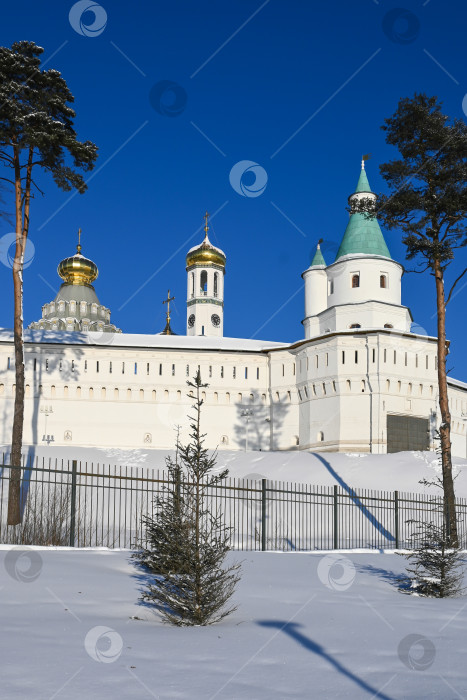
(206, 227)
(167, 301)
(78, 247)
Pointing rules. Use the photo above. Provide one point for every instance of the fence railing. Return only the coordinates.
(82, 505)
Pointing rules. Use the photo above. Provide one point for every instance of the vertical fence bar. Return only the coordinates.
(396, 518)
(336, 518)
(263, 515)
(74, 469)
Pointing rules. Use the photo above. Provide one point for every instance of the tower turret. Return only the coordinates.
(205, 266)
(316, 281)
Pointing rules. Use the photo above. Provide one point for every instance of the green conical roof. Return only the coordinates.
(363, 235)
(363, 185)
(318, 259)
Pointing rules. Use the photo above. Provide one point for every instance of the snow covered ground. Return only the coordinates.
(401, 471)
(308, 625)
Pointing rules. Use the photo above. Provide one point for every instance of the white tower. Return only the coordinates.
(205, 266)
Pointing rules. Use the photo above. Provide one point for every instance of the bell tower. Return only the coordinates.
(205, 266)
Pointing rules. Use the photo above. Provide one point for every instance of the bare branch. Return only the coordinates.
(452, 288)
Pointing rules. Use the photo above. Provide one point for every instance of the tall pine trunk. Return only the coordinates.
(445, 428)
(22, 227)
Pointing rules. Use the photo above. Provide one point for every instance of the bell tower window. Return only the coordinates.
(355, 281)
(383, 282)
(216, 284)
(192, 284)
(204, 283)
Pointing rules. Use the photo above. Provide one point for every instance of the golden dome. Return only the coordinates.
(77, 269)
(205, 253)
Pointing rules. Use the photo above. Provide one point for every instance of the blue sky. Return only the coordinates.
(300, 88)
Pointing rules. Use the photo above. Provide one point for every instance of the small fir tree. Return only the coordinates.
(436, 568)
(188, 539)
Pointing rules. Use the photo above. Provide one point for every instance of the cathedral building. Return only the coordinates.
(359, 380)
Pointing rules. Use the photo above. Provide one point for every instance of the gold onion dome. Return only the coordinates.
(205, 253)
(77, 269)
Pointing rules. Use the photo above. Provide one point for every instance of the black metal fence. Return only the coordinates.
(83, 505)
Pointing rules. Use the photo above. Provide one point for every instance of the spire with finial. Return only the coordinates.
(78, 247)
(206, 227)
(318, 257)
(168, 330)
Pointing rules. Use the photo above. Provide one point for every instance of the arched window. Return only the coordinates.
(141, 394)
(192, 284)
(216, 284)
(388, 325)
(383, 281)
(103, 392)
(320, 436)
(115, 393)
(204, 283)
(355, 281)
(355, 325)
(91, 392)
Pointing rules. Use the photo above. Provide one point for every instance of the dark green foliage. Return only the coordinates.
(187, 538)
(35, 114)
(436, 569)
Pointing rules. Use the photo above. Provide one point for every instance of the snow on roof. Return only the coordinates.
(456, 382)
(175, 342)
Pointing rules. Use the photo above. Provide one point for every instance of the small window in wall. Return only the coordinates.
(324, 389)
(91, 392)
(316, 360)
(299, 394)
(384, 355)
(147, 368)
(97, 365)
(289, 395)
(173, 370)
(355, 325)
(72, 365)
(427, 360)
(363, 385)
(355, 281)
(405, 359)
(216, 284)
(334, 388)
(388, 385)
(349, 385)
(416, 360)
(421, 389)
(283, 370)
(222, 372)
(141, 394)
(136, 368)
(154, 394)
(331, 286)
(46, 365)
(160, 369)
(246, 372)
(128, 394)
(227, 397)
(343, 357)
(110, 367)
(320, 436)
(373, 356)
(103, 392)
(436, 361)
(388, 325)
(356, 357)
(409, 389)
(210, 370)
(9, 363)
(123, 368)
(383, 281)
(293, 366)
(395, 356)
(188, 370)
(306, 391)
(327, 359)
(35, 363)
(115, 393)
(239, 398)
(234, 372)
(192, 284)
(257, 373)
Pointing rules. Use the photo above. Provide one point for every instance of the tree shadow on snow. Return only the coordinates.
(292, 629)
(400, 581)
(367, 513)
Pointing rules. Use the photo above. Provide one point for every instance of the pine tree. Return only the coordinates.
(428, 201)
(36, 131)
(436, 568)
(187, 538)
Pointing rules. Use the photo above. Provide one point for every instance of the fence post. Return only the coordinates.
(396, 518)
(263, 515)
(336, 519)
(74, 469)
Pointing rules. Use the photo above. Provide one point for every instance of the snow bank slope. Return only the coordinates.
(303, 629)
